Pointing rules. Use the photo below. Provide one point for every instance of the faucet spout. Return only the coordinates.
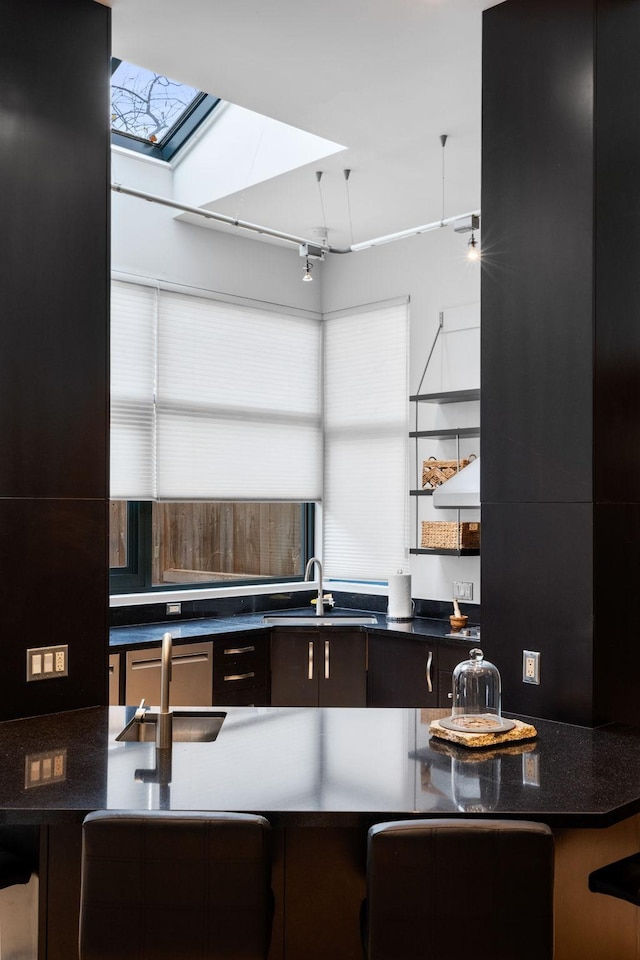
(164, 731)
(307, 577)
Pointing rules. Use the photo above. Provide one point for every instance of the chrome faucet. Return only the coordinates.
(164, 730)
(307, 577)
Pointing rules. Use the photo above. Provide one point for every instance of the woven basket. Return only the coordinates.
(435, 472)
(443, 535)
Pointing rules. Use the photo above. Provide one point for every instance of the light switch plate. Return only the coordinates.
(47, 663)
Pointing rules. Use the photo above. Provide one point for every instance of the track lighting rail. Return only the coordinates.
(279, 234)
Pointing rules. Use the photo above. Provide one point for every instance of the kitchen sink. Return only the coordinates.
(189, 726)
(315, 621)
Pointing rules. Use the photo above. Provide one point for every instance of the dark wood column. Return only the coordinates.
(54, 270)
(561, 353)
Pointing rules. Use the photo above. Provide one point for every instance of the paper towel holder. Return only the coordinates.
(400, 601)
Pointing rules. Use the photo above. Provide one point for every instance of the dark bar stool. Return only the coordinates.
(166, 885)
(458, 889)
(620, 879)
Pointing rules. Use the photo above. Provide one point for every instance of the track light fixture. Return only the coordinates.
(473, 251)
(306, 276)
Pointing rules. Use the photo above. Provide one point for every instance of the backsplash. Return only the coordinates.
(230, 606)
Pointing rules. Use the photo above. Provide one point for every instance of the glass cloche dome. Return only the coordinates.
(476, 697)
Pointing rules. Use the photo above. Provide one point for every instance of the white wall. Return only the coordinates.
(148, 241)
(433, 270)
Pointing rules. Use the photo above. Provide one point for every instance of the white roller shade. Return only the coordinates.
(366, 427)
(238, 402)
(133, 359)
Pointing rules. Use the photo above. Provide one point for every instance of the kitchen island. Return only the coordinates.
(322, 776)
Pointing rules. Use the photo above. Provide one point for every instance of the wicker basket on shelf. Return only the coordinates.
(448, 535)
(435, 472)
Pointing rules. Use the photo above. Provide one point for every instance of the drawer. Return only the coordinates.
(238, 664)
(242, 697)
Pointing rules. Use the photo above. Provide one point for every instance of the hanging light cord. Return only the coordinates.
(347, 174)
(319, 178)
(443, 140)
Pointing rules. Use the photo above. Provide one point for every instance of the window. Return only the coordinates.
(162, 545)
(366, 534)
(215, 439)
(152, 114)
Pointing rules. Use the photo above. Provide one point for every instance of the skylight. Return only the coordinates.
(153, 114)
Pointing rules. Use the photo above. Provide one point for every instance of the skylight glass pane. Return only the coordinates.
(146, 105)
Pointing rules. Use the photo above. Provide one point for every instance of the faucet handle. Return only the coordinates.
(140, 712)
(328, 598)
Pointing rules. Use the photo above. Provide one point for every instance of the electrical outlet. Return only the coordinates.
(531, 769)
(173, 608)
(462, 590)
(530, 666)
(48, 663)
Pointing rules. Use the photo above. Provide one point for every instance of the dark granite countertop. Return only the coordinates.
(325, 763)
(186, 630)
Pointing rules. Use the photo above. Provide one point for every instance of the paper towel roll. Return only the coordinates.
(400, 605)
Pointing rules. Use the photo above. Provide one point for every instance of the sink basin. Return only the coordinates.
(189, 726)
(314, 621)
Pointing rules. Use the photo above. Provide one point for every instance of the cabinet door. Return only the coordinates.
(449, 656)
(341, 660)
(294, 668)
(114, 679)
(191, 675)
(402, 672)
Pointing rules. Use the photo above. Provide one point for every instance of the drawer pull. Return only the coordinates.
(449, 696)
(428, 671)
(310, 673)
(177, 661)
(239, 676)
(112, 668)
(234, 651)
(326, 659)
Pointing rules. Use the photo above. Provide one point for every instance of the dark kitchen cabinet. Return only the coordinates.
(313, 667)
(448, 659)
(241, 670)
(403, 672)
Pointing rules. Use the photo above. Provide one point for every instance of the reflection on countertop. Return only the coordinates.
(329, 762)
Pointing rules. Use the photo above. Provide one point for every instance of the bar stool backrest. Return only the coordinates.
(165, 885)
(459, 889)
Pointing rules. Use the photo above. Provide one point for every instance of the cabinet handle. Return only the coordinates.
(327, 644)
(176, 661)
(112, 668)
(428, 671)
(233, 651)
(449, 696)
(239, 676)
(310, 674)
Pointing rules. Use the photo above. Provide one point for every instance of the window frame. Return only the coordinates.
(175, 138)
(136, 576)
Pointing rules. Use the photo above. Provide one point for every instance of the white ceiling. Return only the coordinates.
(383, 77)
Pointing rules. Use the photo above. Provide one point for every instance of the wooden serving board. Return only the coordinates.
(521, 731)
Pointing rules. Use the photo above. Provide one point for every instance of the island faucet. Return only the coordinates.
(164, 730)
(307, 576)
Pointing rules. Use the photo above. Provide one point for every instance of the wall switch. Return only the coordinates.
(530, 666)
(47, 663)
(43, 768)
(462, 590)
(173, 608)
